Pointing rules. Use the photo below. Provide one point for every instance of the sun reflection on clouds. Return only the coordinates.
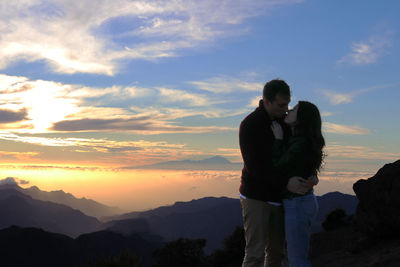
(47, 105)
(37, 106)
(44, 102)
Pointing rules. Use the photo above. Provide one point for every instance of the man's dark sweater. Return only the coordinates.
(259, 179)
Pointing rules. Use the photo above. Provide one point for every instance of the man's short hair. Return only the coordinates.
(275, 87)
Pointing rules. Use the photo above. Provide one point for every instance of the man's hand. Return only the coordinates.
(277, 130)
(298, 185)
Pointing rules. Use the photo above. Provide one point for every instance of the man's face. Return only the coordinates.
(277, 108)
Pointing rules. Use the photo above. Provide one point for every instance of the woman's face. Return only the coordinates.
(291, 117)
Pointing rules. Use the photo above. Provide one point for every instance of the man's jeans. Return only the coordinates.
(299, 214)
(264, 233)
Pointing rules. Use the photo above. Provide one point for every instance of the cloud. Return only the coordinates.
(39, 103)
(344, 129)
(336, 150)
(337, 98)
(369, 51)
(36, 140)
(20, 156)
(224, 85)
(101, 152)
(255, 102)
(326, 114)
(108, 145)
(45, 106)
(233, 154)
(80, 38)
(7, 116)
(342, 181)
(57, 167)
(188, 99)
(214, 175)
(139, 125)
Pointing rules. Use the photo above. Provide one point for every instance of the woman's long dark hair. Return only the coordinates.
(308, 125)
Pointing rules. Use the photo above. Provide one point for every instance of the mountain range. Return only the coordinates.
(61, 233)
(210, 218)
(20, 209)
(87, 206)
(53, 234)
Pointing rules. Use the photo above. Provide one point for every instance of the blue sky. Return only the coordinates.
(118, 83)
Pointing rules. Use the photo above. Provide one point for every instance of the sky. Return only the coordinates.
(92, 89)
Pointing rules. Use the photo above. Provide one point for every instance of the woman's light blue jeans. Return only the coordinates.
(299, 214)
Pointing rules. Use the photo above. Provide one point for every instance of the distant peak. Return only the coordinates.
(216, 159)
(34, 188)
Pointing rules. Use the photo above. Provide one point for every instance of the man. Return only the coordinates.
(261, 187)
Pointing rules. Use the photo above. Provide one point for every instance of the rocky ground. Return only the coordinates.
(344, 247)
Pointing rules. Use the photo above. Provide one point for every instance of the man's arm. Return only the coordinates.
(251, 143)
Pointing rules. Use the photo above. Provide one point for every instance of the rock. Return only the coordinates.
(336, 219)
(378, 210)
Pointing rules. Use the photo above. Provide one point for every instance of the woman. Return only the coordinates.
(302, 156)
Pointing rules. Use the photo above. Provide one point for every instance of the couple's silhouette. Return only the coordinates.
(282, 152)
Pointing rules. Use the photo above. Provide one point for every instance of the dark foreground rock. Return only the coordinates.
(345, 247)
(378, 211)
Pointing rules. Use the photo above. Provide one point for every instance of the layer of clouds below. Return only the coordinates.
(113, 30)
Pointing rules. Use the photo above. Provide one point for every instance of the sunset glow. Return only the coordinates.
(88, 100)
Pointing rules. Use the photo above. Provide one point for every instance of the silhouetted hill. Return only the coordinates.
(27, 246)
(213, 163)
(138, 226)
(194, 205)
(209, 218)
(21, 247)
(87, 206)
(19, 209)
